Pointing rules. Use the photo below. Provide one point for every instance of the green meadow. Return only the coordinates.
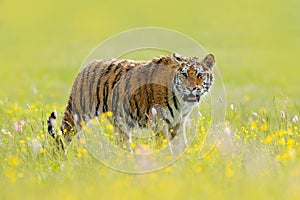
(256, 45)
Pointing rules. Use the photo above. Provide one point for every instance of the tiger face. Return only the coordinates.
(193, 77)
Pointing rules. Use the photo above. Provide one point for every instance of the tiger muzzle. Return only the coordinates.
(192, 97)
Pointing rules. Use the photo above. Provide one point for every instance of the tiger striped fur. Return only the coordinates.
(168, 87)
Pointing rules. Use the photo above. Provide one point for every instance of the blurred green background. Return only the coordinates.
(256, 43)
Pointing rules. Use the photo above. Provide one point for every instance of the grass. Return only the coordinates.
(256, 45)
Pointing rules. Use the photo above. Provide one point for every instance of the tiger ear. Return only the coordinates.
(177, 57)
(209, 60)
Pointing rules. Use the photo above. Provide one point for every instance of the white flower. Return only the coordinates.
(36, 146)
(153, 111)
(28, 106)
(75, 118)
(227, 130)
(231, 107)
(295, 119)
(221, 100)
(199, 114)
(282, 114)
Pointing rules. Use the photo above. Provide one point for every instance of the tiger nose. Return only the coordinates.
(191, 88)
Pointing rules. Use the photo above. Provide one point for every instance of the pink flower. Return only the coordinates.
(18, 126)
(22, 122)
(250, 119)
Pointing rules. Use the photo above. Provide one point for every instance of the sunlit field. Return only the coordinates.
(256, 45)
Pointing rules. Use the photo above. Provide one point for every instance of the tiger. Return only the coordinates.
(166, 88)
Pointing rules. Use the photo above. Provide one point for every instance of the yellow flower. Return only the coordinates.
(79, 155)
(80, 152)
(198, 169)
(42, 150)
(110, 127)
(264, 127)
(281, 141)
(13, 161)
(133, 146)
(246, 97)
(290, 141)
(268, 139)
(11, 174)
(228, 170)
(253, 125)
(168, 169)
(109, 114)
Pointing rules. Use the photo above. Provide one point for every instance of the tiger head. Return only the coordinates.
(193, 77)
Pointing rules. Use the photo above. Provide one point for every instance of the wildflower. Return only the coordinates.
(253, 125)
(255, 114)
(110, 127)
(36, 145)
(227, 130)
(199, 114)
(281, 141)
(246, 97)
(295, 119)
(28, 106)
(268, 139)
(264, 127)
(250, 119)
(109, 114)
(81, 152)
(228, 170)
(34, 90)
(42, 150)
(282, 114)
(22, 122)
(290, 142)
(153, 111)
(13, 161)
(133, 146)
(103, 114)
(231, 107)
(198, 169)
(221, 100)
(168, 169)
(18, 126)
(75, 118)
